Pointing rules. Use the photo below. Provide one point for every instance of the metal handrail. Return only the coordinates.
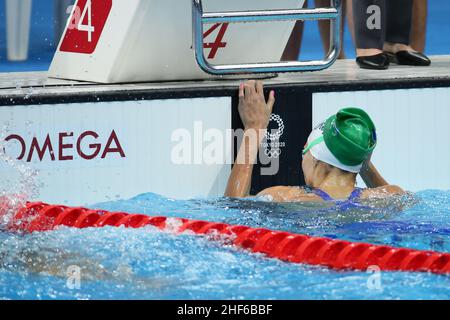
(199, 18)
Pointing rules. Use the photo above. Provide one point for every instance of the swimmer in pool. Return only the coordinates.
(336, 151)
(37, 258)
(56, 262)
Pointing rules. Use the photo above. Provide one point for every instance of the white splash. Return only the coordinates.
(19, 187)
(173, 225)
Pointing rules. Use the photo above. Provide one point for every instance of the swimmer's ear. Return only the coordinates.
(271, 100)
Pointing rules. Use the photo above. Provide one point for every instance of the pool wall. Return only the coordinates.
(413, 131)
(90, 152)
(92, 143)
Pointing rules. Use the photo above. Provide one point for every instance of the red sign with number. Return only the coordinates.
(86, 25)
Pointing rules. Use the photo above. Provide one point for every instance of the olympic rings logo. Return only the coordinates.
(272, 153)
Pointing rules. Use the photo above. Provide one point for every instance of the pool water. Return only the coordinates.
(120, 263)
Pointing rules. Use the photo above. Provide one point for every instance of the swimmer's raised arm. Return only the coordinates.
(255, 114)
(373, 179)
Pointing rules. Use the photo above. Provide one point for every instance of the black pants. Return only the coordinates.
(393, 25)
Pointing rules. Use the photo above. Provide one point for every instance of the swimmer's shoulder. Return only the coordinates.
(382, 192)
(289, 194)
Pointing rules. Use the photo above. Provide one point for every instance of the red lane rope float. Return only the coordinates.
(296, 248)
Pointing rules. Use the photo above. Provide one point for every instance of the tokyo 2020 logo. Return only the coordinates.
(273, 145)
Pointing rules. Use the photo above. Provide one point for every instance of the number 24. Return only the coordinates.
(79, 17)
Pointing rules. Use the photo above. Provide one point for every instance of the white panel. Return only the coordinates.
(413, 132)
(144, 130)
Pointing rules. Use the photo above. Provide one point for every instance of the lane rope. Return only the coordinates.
(295, 248)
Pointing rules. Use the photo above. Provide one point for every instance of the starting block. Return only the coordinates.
(117, 41)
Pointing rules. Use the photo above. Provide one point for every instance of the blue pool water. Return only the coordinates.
(145, 263)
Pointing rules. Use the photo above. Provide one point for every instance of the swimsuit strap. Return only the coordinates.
(326, 197)
(356, 194)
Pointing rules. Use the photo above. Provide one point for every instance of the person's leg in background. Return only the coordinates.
(350, 21)
(398, 34)
(324, 27)
(369, 18)
(294, 45)
(398, 25)
(419, 25)
(18, 17)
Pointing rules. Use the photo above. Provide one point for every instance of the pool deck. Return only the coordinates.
(342, 73)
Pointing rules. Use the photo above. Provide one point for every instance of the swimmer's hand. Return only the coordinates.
(253, 109)
(255, 115)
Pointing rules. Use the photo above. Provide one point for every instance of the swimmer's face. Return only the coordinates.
(308, 165)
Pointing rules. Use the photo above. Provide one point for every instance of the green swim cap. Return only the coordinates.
(350, 135)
